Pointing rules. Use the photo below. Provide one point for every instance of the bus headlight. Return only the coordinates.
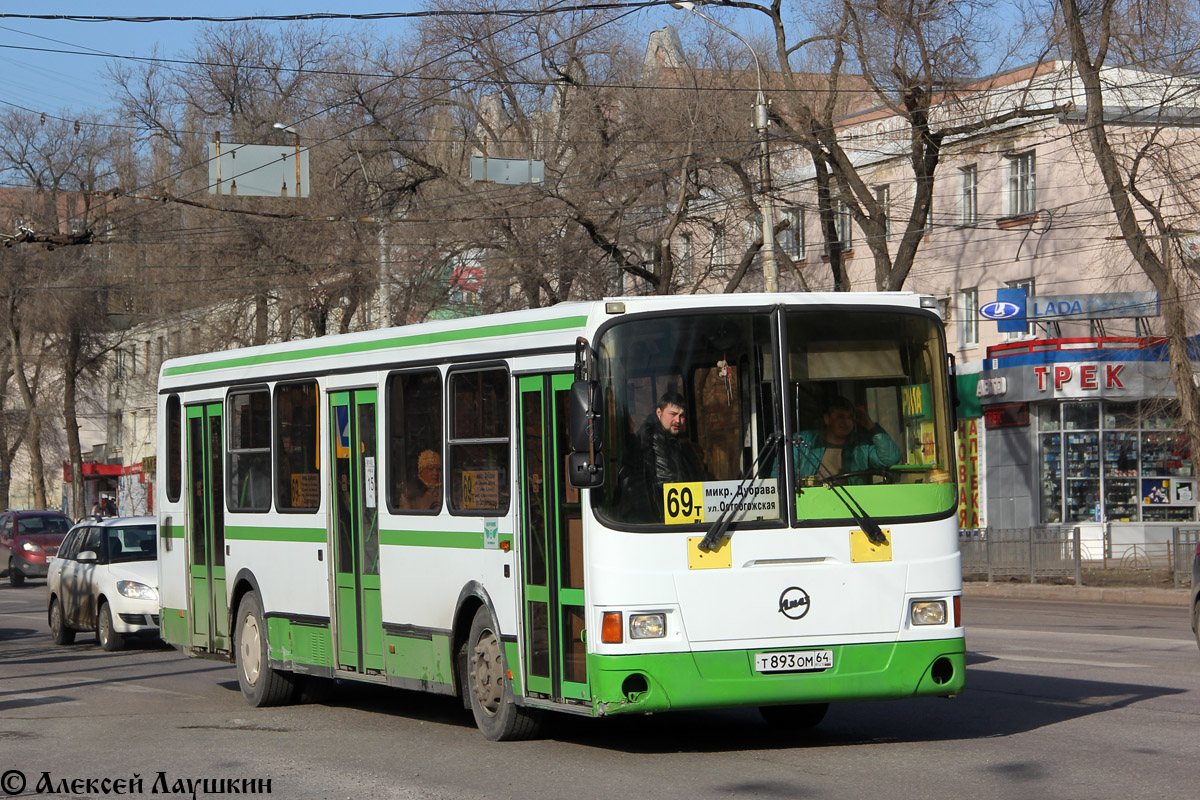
(647, 626)
(928, 612)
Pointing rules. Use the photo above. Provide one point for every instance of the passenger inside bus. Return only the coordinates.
(663, 454)
(428, 495)
(848, 442)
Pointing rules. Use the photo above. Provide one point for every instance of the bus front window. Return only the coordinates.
(867, 396)
(688, 405)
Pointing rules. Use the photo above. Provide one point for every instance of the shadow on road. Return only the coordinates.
(995, 704)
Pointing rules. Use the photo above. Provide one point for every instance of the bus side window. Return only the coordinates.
(249, 462)
(477, 447)
(297, 463)
(414, 415)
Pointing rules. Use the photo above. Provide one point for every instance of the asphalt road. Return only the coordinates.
(1063, 700)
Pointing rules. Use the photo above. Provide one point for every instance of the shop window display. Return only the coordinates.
(1117, 462)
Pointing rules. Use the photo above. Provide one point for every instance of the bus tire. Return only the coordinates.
(109, 639)
(488, 689)
(794, 717)
(261, 684)
(60, 631)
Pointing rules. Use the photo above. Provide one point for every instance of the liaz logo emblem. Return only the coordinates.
(794, 602)
(1000, 310)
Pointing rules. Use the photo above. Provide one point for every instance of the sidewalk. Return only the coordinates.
(1079, 594)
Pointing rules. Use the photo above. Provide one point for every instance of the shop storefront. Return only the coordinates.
(1085, 431)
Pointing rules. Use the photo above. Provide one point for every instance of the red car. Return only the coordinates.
(27, 539)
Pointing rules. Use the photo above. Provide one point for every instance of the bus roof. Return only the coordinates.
(541, 330)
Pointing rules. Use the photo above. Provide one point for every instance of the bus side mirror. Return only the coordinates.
(583, 472)
(585, 426)
(585, 466)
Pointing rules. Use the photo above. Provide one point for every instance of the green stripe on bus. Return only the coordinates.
(171, 531)
(439, 337)
(463, 540)
(274, 534)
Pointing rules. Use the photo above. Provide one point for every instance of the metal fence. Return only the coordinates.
(1026, 552)
(1184, 542)
(1058, 552)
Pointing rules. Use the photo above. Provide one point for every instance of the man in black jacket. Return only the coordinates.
(667, 455)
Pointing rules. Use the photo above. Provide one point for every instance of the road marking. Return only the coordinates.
(1075, 661)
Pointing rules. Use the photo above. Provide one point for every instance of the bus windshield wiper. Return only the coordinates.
(869, 526)
(717, 532)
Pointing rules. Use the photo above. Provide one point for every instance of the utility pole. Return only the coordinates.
(761, 123)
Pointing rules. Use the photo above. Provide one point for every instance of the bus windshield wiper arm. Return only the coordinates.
(717, 532)
(870, 527)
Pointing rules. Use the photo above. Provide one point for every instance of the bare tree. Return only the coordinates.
(1137, 190)
(914, 60)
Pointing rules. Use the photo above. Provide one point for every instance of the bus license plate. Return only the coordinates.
(793, 661)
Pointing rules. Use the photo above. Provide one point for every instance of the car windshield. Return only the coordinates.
(131, 543)
(47, 524)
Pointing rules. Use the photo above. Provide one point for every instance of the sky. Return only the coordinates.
(53, 81)
(73, 76)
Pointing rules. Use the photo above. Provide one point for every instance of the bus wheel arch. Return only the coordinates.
(472, 598)
(261, 684)
(242, 583)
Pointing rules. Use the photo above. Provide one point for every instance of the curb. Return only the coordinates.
(1079, 594)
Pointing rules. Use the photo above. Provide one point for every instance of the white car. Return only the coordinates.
(105, 579)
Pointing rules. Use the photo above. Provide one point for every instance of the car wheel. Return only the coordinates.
(489, 690)
(15, 576)
(261, 684)
(60, 632)
(109, 639)
(794, 717)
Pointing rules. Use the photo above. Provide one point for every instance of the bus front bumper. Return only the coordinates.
(639, 684)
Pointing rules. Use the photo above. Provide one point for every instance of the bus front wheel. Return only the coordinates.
(489, 689)
(261, 685)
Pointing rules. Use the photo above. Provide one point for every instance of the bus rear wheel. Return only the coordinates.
(261, 684)
(794, 717)
(490, 692)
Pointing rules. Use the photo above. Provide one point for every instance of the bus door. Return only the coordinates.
(358, 611)
(551, 545)
(206, 513)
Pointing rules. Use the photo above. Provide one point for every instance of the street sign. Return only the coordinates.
(507, 170)
(257, 170)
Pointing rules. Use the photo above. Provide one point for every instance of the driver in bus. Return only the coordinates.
(849, 442)
(666, 455)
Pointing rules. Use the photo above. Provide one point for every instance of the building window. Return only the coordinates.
(297, 459)
(719, 257)
(1114, 462)
(249, 456)
(685, 250)
(968, 317)
(968, 193)
(793, 237)
(883, 196)
(1021, 197)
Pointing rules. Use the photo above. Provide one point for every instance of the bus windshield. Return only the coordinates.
(689, 408)
(867, 401)
(694, 430)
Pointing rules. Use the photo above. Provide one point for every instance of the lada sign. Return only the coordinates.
(1000, 310)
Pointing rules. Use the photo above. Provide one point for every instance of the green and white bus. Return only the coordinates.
(465, 507)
